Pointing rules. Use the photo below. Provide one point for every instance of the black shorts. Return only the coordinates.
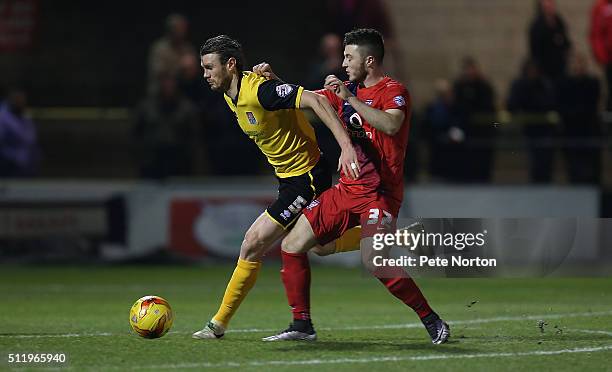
(295, 193)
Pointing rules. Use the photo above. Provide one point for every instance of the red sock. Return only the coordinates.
(296, 278)
(406, 290)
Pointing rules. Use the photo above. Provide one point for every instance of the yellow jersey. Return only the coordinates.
(268, 112)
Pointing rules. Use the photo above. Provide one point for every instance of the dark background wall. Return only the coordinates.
(95, 53)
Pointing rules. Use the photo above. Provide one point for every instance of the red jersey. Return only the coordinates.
(601, 31)
(386, 152)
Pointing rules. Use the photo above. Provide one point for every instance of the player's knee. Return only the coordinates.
(253, 246)
(319, 251)
(325, 250)
(369, 255)
(292, 244)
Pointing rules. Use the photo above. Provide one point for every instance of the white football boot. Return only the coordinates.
(212, 330)
(294, 333)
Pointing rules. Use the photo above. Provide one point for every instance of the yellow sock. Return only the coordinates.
(349, 241)
(243, 279)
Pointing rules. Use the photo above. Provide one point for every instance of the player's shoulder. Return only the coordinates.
(397, 91)
(257, 86)
(391, 83)
(252, 79)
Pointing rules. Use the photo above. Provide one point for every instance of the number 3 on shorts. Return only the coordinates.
(375, 215)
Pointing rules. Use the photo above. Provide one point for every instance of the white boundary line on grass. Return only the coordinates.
(379, 359)
(451, 322)
(350, 328)
(607, 333)
(59, 335)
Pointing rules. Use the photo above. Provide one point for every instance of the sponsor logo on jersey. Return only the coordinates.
(399, 100)
(251, 118)
(284, 90)
(360, 133)
(356, 121)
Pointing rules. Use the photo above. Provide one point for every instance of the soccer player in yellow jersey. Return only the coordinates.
(268, 111)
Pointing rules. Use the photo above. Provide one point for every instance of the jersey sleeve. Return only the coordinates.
(396, 97)
(275, 95)
(331, 97)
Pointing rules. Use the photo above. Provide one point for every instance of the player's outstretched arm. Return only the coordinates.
(389, 121)
(320, 105)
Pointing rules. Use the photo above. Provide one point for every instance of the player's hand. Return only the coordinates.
(336, 85)
(264, 69)
(348, 162)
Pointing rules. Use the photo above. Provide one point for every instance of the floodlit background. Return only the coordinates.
(113, 148)
(122, 175)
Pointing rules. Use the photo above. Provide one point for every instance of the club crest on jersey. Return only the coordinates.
(285, 215)
(399, 100)
(251, 117)
(283, 90)
(369, 102)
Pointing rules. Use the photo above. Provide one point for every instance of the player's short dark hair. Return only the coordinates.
(226, 48)
(369, 39)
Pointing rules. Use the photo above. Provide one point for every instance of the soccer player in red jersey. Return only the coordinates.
(375, 110)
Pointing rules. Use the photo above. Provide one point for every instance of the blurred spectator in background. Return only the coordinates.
(531, 100)
(446, 140)
(549, 43)
(165, 132)
(578, 99)
(475, 104)
(331, 54)
(19, 151)
(191, 83)
(215, 117)
(601, 41)
(167, 52)
(343, 16)
(229, 151)
(191, 86)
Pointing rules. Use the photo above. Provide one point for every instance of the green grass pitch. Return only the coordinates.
(83, 312)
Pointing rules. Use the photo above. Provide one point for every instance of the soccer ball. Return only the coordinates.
(151, 317)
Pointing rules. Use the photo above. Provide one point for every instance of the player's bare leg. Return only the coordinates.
(260, 237)
(296, 279)
(324, 250)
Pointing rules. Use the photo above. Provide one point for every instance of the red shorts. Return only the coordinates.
(343, 207)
